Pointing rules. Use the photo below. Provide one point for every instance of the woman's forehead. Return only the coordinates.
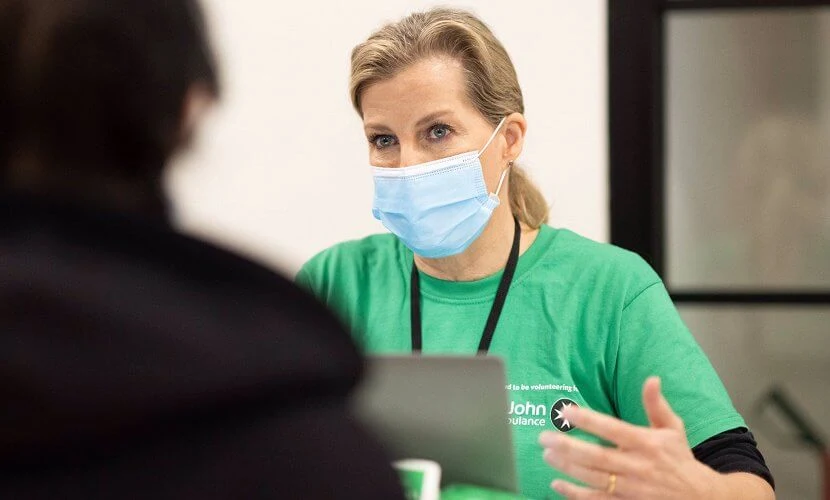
(426, 87)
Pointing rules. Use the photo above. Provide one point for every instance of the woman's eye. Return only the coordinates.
(439, 132)
(383, 141)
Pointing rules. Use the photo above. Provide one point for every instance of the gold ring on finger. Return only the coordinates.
(612, 484)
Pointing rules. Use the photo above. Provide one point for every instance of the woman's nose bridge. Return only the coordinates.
(411, 154)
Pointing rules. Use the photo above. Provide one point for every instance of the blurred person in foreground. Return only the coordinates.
(137, 362)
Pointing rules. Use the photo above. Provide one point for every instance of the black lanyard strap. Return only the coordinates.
(495, 311)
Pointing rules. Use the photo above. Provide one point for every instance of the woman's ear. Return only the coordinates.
(515, 128)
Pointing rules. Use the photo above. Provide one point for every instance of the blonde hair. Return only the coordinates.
(492, 85)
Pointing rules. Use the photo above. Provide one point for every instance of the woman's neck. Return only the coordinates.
(487, 254)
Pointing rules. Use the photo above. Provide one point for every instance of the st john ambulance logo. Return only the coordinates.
(557, 415)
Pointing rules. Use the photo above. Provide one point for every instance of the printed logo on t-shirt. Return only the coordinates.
(533, 408)
(557, 415)
(528, 413)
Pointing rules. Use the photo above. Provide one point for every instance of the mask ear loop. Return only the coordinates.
(493, 136)
(509, 164)
(503, 176)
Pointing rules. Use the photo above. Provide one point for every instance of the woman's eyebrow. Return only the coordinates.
(376, 128)
(432, 117)
(426, 120)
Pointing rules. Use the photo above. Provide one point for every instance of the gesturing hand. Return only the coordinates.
(647, 463)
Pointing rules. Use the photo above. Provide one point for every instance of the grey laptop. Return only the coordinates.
(452, 410)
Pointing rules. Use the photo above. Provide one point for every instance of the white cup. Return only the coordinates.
(421, 478)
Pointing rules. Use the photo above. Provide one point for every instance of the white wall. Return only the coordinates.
(280, 171)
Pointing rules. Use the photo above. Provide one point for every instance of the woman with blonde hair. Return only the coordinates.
(471, 267)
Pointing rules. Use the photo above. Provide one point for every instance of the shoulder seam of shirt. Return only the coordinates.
(520, 280)
(644, 290)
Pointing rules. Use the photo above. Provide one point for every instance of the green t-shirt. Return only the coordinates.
(583, 322)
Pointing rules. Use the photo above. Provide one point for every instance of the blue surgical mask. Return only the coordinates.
(439, 208)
